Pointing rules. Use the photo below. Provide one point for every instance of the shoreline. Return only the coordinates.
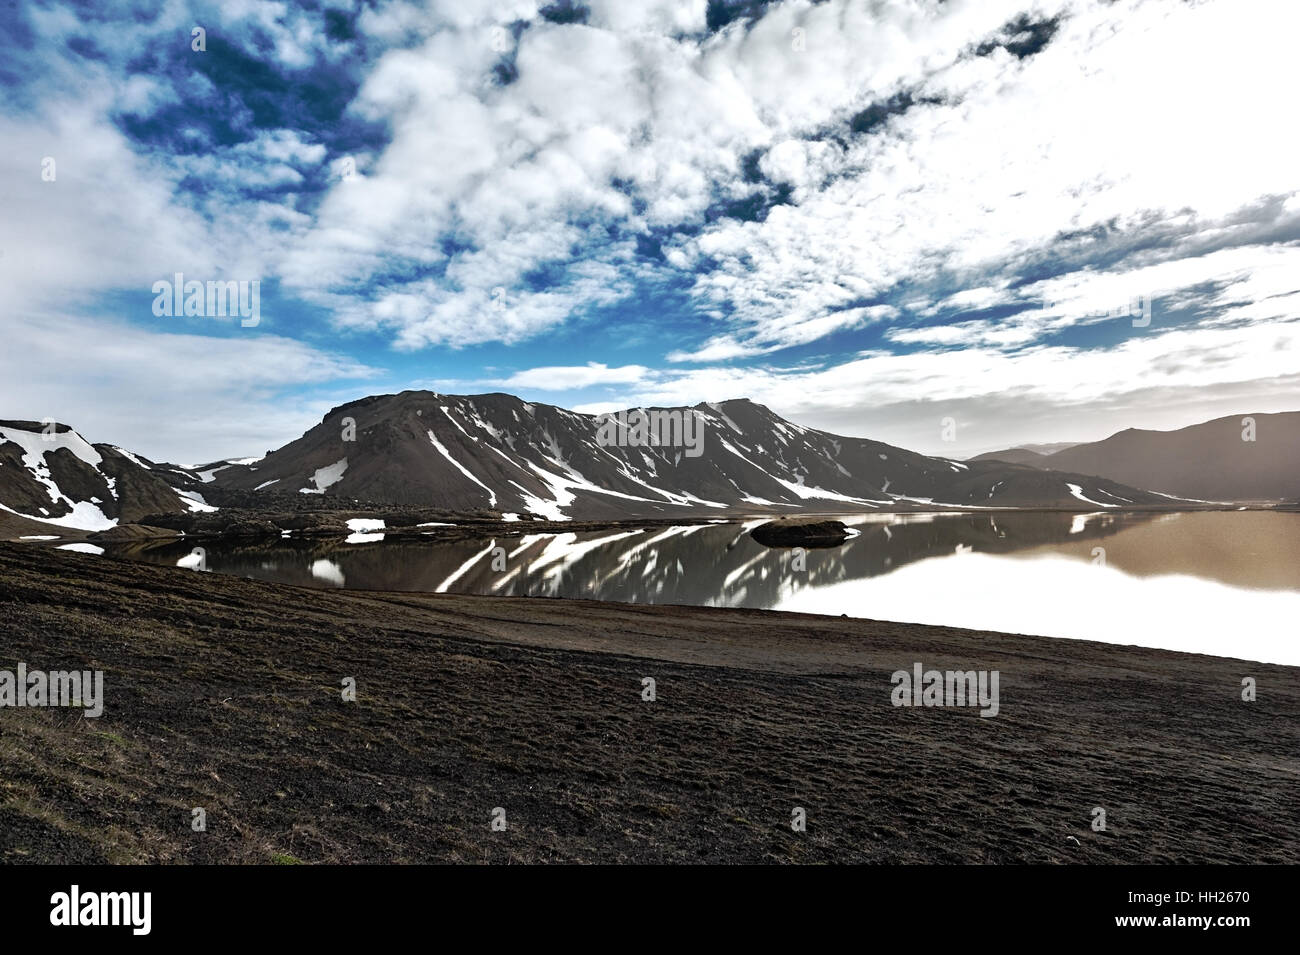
(223, 693)
(200, 526)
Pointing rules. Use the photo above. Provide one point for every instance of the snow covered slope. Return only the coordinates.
(50, 473)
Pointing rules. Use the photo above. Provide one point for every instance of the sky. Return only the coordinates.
(953, 226)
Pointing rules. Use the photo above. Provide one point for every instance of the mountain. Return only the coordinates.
(1024, 453)
(1034, 459)
(1049, 448)
(50, 474)
(1209, 461)
(496, 451)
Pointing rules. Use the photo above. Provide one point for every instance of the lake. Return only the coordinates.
(1226, 583)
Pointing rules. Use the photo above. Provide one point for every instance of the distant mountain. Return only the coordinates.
(423, 449)
(1050, 448)
(1025, 453)
(52, 475)
(1210, 461)
(1035, 459)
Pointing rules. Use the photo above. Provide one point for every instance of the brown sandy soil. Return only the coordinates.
(224, 694)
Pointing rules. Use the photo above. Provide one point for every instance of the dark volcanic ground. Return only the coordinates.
(224, 694)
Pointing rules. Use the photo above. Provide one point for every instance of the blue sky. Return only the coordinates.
(1046, 220)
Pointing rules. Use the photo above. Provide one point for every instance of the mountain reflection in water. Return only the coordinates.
(1215, 582)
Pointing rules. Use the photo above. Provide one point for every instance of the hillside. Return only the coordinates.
(52, 478)
(1014, 456)
(496, 456)
(496, 451)
(1208, 461)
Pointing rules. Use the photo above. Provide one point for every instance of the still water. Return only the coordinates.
(1226, 583)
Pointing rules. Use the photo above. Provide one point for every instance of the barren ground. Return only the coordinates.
(224, 693)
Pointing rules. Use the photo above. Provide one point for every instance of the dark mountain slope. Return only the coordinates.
(1208, 461)
(423, 449)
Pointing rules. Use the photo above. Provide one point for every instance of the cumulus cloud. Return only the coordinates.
(1170, 379)
(84, 213)
(170, 395)
(1102, 133)
(799, 165)
(567, 377)
(965, 191)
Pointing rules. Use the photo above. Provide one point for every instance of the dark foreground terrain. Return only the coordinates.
(225, 694)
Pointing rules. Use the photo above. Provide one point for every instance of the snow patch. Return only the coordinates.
(82, 548)
(326, 477)
(130, 457)
(194, 501)
(85, 515)
(1077, 491)
(492, 495)
(208, 476)
(444, 410)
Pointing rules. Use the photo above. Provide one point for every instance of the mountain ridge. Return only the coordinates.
(495, 453)
(1232, 458)
(425, 448)
(51, 475)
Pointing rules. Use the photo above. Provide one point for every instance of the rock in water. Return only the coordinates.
(784, 533)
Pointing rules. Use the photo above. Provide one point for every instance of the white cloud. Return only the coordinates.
(563, 378)
(633, 121)
(1168, 378)
(1117, 124)
(181, 396)
(1146, 130)
(105, 221)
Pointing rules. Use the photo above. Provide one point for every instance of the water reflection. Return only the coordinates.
(1225, 583)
